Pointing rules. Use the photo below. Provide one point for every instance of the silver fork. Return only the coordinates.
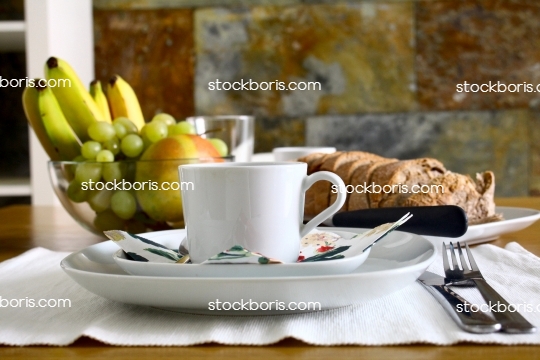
(469, 274)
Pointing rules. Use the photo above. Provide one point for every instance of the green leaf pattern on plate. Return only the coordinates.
(142, 249)
(240, 255)
(328, 255)
(165, 254)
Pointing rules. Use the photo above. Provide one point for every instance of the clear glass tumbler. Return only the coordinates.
(235, 130)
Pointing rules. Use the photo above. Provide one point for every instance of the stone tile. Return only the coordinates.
(401, 135)
(466, 142)
(153, 51)
(345, 47)
(162, 4)
(271, 133)
(476, 41)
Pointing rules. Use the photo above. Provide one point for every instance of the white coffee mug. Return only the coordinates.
(259, 206)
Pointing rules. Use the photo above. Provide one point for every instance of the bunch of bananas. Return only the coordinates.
(62, 116)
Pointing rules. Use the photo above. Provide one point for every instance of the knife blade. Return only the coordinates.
(457, 307)
(445, 220)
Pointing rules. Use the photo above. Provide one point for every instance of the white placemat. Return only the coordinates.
(411, 315)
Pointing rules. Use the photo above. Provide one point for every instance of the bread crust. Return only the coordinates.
(316, 165)
(321, 189)
(405, 172)
(313, 193)
(346, 168)
(312, 160)
(475, 197)
(362, 176)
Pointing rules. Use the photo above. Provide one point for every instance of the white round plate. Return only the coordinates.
(354, 257)
(394, 263)
(515, 219)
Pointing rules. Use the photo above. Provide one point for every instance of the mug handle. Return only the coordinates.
(332, 209)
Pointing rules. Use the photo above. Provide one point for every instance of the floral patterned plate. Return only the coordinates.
(393, 264)
(323, 251)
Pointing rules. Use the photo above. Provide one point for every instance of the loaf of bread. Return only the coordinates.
(475, 197)
(406, 172)
(346, 171)
(365, 171)
(358, 200)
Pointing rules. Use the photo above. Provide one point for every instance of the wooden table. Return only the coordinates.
(25, 227)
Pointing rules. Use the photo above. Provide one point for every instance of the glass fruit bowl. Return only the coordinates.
(132, 195)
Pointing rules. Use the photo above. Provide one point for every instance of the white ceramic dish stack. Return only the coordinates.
(394, 263)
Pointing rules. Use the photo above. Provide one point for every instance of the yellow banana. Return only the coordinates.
(60, 133)
(123, 101)
(101, 100)
(76, 103)
(31, 109)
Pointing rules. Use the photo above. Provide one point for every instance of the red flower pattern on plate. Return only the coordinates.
(324, 248)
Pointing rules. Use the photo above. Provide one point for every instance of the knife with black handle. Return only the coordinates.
(457, 307)
(445, 220)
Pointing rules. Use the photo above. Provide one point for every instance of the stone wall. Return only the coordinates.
(388, 71)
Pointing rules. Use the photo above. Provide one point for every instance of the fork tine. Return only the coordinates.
(445, 258)
(455, 264)
(474, 267)
(464, 264)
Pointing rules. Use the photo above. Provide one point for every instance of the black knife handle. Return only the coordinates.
(445, 220)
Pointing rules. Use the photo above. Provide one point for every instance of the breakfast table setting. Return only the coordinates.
(35, 239)
(174, 238)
